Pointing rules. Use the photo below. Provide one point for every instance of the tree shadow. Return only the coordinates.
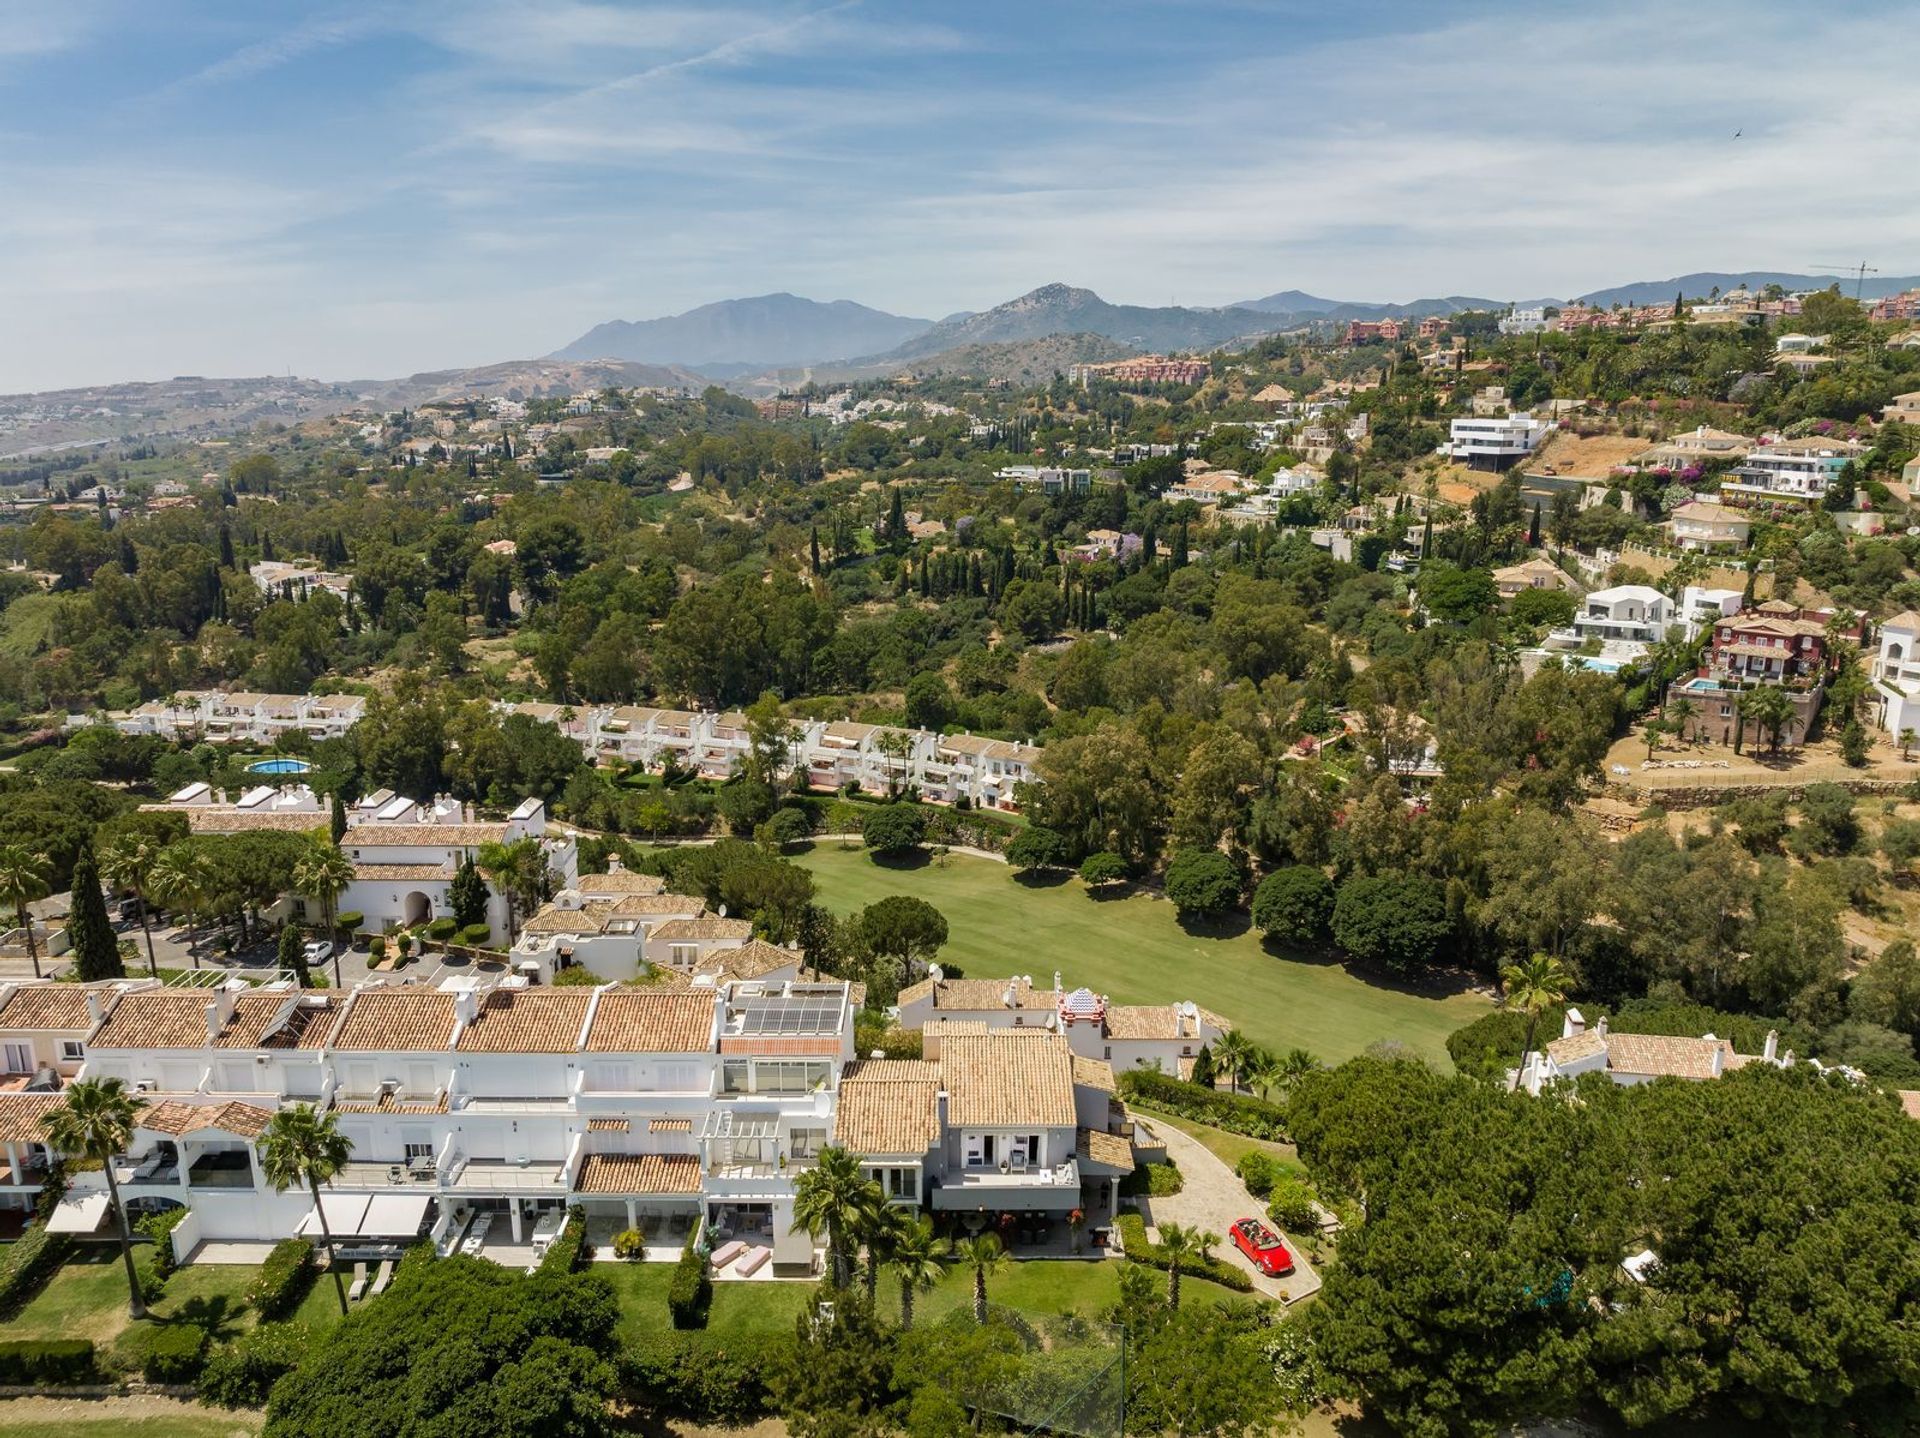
(1110, 893)
(906, 860)
(218, 1315)
(1042, 878)
(1214, 926)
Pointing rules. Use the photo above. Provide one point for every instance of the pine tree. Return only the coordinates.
(1180, 546)
(226, 547)
(94, 945)
(266, 546)
(814, 542)
(129, 559)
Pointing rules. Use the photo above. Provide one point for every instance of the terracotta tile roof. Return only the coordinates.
(1910, 1101)
(20, 1115)
(171, 1019)
(1109, 1150)
(645, 1022)
(422, 836)
(669, 1125)
(48, 1006)
(241, 1119)
(638, 1174)
(687, 930)
(943, 1028)
(218, 819)
(384, 1019)
(608, 1125)
(527, 1021)
(640, 906)
(1661, 1055)
(390, 1103)
(1093, 1073)
(402, 873)
(888, 1106)
(1146, 1021)
(624, 882)
(976, 995)
(1006, 1080)
(589, 918)
(752, 960)
(1574, 1047)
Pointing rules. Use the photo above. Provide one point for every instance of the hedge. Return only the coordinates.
(1133, 1241)
(442, 928)
(701, 1376)
(283, 1278)
(1258, 1172)
(476, 935)
(1234, 1112)
(26, 1361)
(691, 1290)
(349, 921)
(173, 1352)
(568, 1251)
(158, 1227)
(28, 1263)
(1155, 1180)
(240, 1374)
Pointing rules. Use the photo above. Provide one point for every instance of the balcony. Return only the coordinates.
(387, 1173)
(486, 1174)
(231, 1169)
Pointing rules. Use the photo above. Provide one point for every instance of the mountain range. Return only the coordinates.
(1700, 286)
(756, 333)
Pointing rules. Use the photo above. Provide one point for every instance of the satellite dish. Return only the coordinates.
(723, 911)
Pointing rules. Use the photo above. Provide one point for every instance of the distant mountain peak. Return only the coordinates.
(757, 331)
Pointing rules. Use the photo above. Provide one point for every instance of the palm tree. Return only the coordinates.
(1297, 1065)
(1907, 739)
(95, 1121)
(983, 1254)
(1533, 986)
(127, 863)
(835, 1199)
(884, 1229)
(1264, 1074)
(23, 878)
(918, 1261)
(302, 1146)
(1231, 1052)
(1182, 1247)
(1679, 714)
(1768, 708)
(518, 870)
(322, 875)
(182, 877)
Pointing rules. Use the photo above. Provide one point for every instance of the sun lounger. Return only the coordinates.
(380, 1283)
(477, 1235)
(359, 1285)
(755, 1260)
(727, 1252)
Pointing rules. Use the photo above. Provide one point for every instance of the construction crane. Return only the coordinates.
(1859, 273)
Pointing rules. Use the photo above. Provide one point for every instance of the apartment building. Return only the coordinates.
(1799, 470)
(1145, 369)
(405, 851)
(1527, 321)
(471, 1111)
(1495, 443)
(237, 718)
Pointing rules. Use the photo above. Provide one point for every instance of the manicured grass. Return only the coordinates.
(87, 1298)
(1040, 1287)
(119, 1418)
(1229, 1148)
(1134, 950)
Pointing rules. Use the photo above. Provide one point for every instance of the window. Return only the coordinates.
(19, 1059)
(807, 1142)
(683, 956)
(1108, 1052)
(72, 1050)
(612, 1076)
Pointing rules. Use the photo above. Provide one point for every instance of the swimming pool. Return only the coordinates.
(279, 766)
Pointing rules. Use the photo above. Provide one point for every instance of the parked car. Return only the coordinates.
(317, 950)
(1263, 1246)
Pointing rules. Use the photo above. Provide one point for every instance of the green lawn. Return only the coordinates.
(119, 1418)
(742, 1309)
(87, 1298)
(1229, 1148)
(1134, 950)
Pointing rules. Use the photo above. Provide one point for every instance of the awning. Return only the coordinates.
(344, 1214)
(395, 1215)
(79, 1213)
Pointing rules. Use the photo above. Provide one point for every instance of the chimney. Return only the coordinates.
(1771, 1050)
(96, 1011)
(215, 1022)
(1576, 1023)
(1601, 1027)
(1719, 1059)
(613, 864)
(1057, 988)
(1008, 997)
(466, 1006)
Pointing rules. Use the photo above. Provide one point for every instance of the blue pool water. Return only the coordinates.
(279, 766)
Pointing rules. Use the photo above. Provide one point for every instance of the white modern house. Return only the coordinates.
(240, 717)
(1047, 479)
(1495, 442)
(1799, 470)
(1530, 320)
(1895, 674)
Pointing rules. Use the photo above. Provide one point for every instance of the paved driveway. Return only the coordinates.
(1211, 1199)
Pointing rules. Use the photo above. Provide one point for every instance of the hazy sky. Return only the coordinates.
(368, 189)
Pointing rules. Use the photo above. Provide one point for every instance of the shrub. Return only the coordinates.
(628, 1244)
(159, 1227)
(569, 1250)
(893, 828)
(576, 977)
(1155, 1180)
(701, 1376)
(475, 936)
(150, 1276)
(350, 920)
(173, 1352)
(1292, 1205)
(377, 946)
(29, 1263)
(875, 1033)
(1294, 903)
(1236, 1113)
(691, 1290)
(46, 1360)
(240, 1374)
(1133, 1241)
(1258, 1173)
(1203, 882)
(442, 928)
(283, 1279)
(1097, 871)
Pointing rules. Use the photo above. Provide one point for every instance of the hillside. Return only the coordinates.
(778, 329)
(1018, 362)
(1059, 309)
(1699, 285)
(523, 379)
(1300, 307)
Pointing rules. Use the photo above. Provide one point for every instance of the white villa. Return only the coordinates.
(1495, 442)
(1896, 673)
(1634, 612)
(1703, 525)
(240, 717)
(1634, 1058)
(1792, 469)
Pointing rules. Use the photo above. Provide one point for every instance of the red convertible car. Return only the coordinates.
(1263, 1246)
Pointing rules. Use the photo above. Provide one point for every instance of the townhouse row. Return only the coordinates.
(875, 758)
(477, 1115)
(237, 718)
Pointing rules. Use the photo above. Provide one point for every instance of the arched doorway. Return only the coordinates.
(416, 908)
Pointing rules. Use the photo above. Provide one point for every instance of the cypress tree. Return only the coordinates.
(814, 541)
(896, 521)
(1533, 530)
(95, 947)
(226, 547)
(293, 957)
(337, 819)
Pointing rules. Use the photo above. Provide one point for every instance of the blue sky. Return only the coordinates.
(367, 189)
